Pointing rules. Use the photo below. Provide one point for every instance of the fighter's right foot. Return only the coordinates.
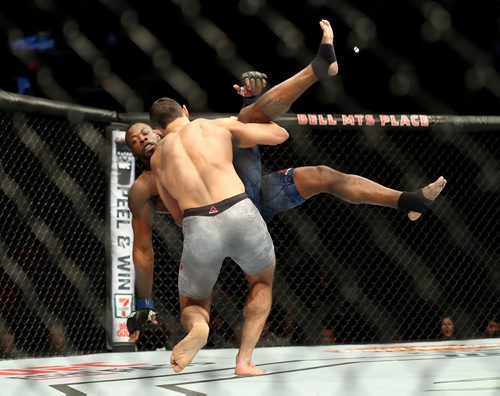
(430, 193)
(325, 63)
(185, 351)
(246, 369)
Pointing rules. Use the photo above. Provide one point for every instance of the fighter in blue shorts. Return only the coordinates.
(280, 191)
(273, 193)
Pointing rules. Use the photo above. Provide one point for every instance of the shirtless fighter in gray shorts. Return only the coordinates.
(214, 232)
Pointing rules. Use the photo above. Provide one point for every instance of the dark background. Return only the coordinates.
(415, 56)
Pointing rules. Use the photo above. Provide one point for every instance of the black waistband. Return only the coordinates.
(216, 208)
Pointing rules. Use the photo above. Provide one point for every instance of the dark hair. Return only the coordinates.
(164, 110)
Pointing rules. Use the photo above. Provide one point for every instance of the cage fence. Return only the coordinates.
(355, 273)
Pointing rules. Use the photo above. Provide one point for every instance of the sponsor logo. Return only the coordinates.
(124, 161)
(417, 348)
(213, 210)
(394, 120)
(123, 305)
(90, 369)
(69, 371)
(122, 330)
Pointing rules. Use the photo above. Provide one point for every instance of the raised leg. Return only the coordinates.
(312, 180)
(278, 100)
(195, 319)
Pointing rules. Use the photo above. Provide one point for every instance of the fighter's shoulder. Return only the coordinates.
(205, 120)
(216, 124)
(140, 191)
(226, 121)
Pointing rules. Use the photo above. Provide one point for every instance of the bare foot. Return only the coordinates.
(246, 369)
(325, 62)
(186, 349)
(327, 32)
(431, 192)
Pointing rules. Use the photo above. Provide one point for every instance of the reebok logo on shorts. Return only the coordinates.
(215, 208)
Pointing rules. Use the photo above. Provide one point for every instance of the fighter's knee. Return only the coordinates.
(264, 277)
(324, 174)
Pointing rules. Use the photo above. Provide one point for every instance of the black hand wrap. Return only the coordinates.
(138, 319)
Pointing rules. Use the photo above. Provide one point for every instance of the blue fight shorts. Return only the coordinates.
(278, 193)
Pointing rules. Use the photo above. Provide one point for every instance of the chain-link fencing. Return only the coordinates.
(366, 273)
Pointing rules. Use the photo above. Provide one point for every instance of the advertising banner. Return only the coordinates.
(122, 175)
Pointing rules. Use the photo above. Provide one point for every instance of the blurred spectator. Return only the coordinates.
(220, 331)
(447, 328)
(168, 325)
(322, 288)
(8, 347)
(290, 331)
(8, 300)
(492, 329)
(59, 343)
(268, 338)
(327, 336)
(152, 338)
(162, 337)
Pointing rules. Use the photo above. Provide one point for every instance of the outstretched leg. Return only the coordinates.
(312, 180)
(278, 100)
(255, 313)
(194, 318)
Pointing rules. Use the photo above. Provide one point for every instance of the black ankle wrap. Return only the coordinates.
(413, 201)
(322, 61)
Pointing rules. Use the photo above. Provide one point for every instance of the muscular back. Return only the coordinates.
(194, 164)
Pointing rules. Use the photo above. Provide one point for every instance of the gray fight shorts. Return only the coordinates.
(231, 228)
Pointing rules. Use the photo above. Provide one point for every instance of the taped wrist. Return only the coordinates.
(144, 303)
(413, 202)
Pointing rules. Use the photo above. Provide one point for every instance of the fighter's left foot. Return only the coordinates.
(185, 351)
(325, 63)
(430, 193)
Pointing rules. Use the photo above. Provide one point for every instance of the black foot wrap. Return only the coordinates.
(325, 57)
(413, 202)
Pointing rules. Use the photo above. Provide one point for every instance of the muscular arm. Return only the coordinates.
(140, 202)
(142, 251)
(251, 134)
